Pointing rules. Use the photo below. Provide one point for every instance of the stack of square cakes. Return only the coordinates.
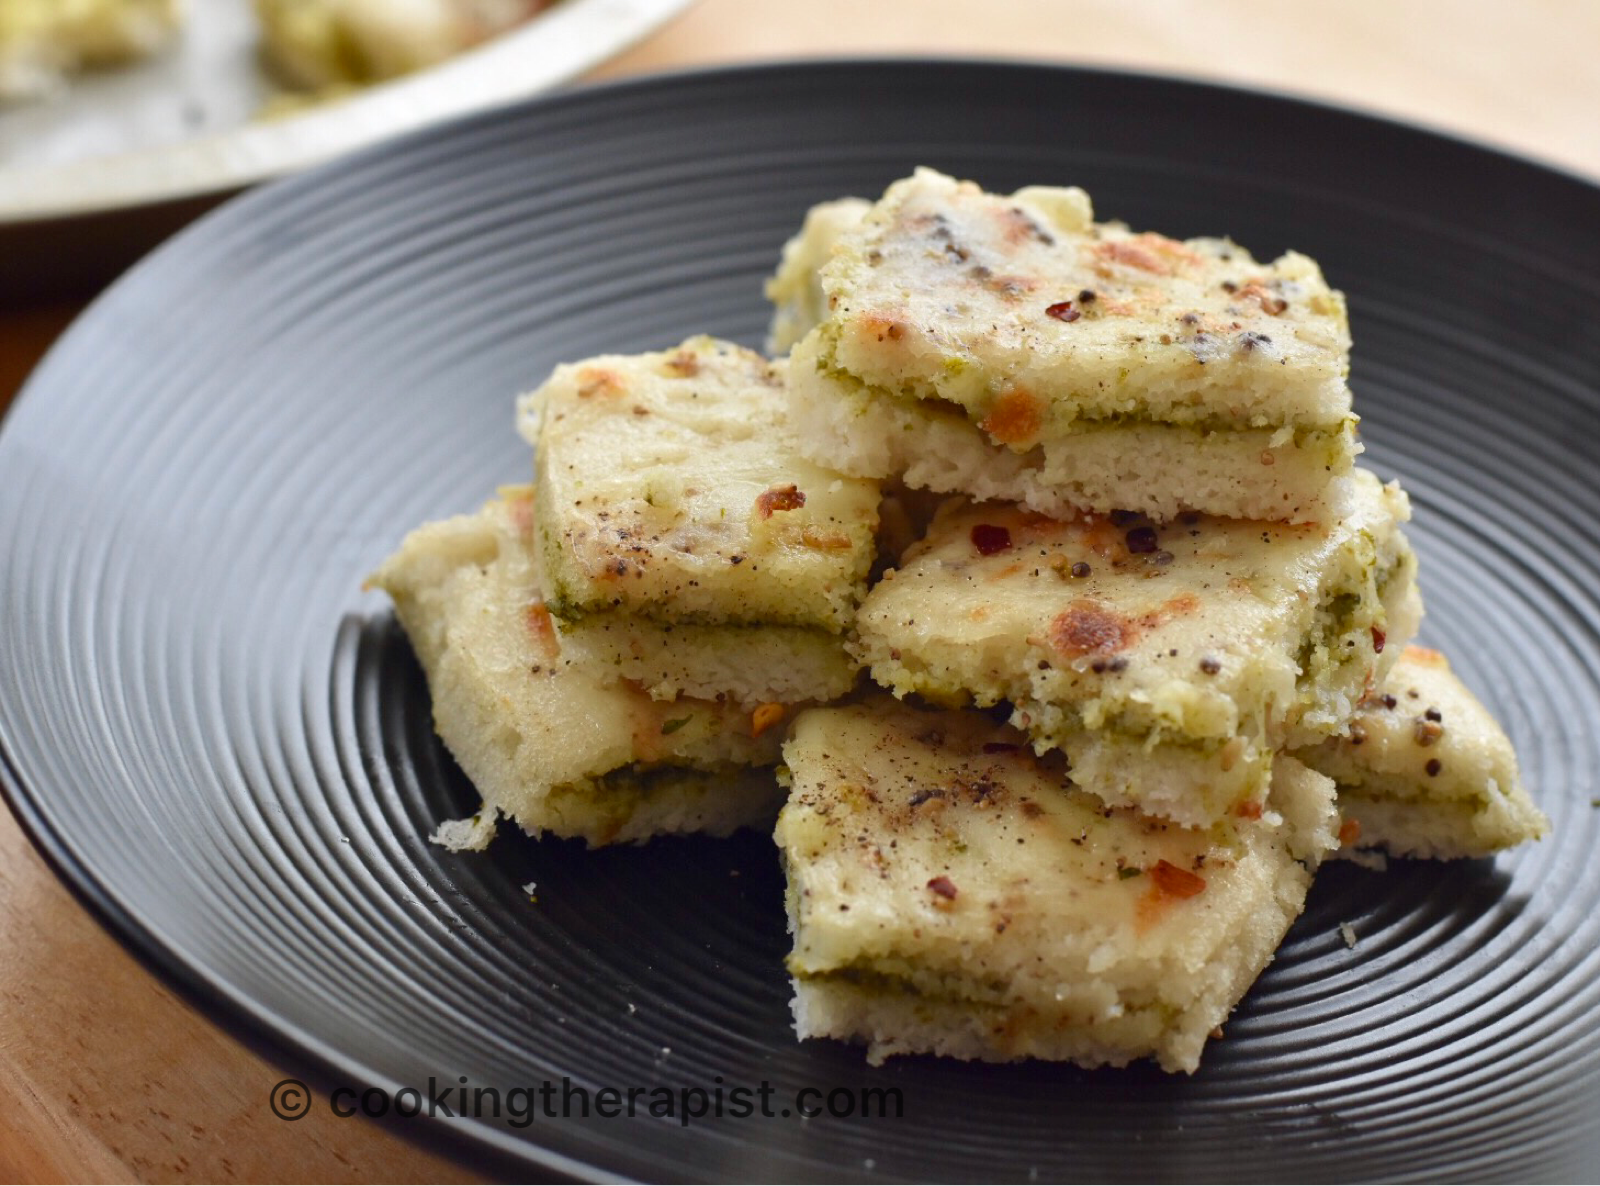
(1038, 584)
(614, 653)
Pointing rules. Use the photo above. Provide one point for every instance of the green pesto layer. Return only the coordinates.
(1331, 440)
(635, 803)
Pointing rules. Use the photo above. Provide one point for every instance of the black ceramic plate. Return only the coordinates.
(224, 745)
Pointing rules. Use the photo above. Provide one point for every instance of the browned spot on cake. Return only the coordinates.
(1427, 656)
(521, 508)
(1086, 627)
(1174, 607)
(1149, 252)
(1101, 536)
(543, 630)
(649, 727)
(1015, 418)
(685, 363)
(1017, 226)
(824, 540)
(1197, 322)
(883, 327)
(593, 381)
(1270, 302)
(1011, 285)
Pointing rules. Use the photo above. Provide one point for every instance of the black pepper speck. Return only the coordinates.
(1142, 539)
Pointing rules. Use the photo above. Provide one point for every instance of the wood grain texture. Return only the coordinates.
(106, 1074)
(1518, 75)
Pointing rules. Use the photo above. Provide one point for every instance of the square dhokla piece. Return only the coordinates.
(554, 744)
(670, 486)
(1425, 770)
(951, 893)
(799, 303)
(1168, 662)
(1011, 348)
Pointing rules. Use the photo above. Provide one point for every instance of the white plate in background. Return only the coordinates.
(183, 124)
(92, 179)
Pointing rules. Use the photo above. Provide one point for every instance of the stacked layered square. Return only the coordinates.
(1012, 348)
(1082, 504)
(613, 653)
(1168, 662)
(1164, 571)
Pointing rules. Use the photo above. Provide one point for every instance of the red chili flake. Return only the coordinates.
(1063, 311)
(1379, 637)
(780, 498)
(944, 887)
(989, 539)
(1142, 539)
(1175, 882)
(1349, 832)
(1249, 809)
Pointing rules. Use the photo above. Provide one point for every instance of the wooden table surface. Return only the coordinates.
(107, 1075)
